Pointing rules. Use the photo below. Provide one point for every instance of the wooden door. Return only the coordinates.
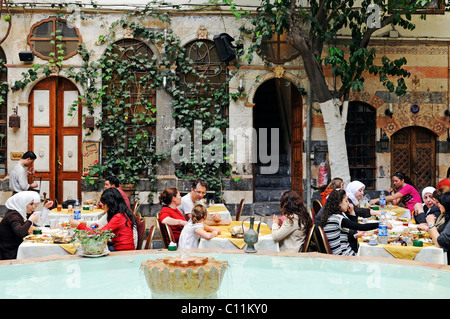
(414, 153)
(55, 138)
(296, 142)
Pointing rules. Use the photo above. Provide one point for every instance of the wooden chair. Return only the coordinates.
(135, 207)
(165, 231)
(308, 240)
(317, 205)
(140, 224)
(322, 241)
(312, 214)
(149, 240)
(239, 210)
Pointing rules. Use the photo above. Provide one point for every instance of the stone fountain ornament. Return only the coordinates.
(184, 276)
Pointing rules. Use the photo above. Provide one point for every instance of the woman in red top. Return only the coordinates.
(169, 214)
(120, 219)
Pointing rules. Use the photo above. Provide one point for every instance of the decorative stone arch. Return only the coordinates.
(277, 72)
(201, 34)
(402, 117)
(29, 88)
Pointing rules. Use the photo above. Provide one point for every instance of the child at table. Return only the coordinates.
(194, 229)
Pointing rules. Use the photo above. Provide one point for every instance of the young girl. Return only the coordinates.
(291, 232)
(194, 229)
(337, 224)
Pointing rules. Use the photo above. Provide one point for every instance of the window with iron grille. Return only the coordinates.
(208, 69)
(130, 99)
(360, 136)
(202, 87)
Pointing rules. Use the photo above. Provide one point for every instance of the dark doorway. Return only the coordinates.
(278, 105)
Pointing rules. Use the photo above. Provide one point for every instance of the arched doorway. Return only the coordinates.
(413, 152)
(55, 137)
(278, 105)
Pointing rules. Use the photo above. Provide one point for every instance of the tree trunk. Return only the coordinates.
(333, 119)
(335, 130)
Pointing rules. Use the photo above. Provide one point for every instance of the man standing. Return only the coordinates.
(18, 174)
(112, 181)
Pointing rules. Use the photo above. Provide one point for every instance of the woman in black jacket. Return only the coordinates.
(18, 221)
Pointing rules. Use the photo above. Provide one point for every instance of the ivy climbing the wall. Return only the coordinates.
(123, 84)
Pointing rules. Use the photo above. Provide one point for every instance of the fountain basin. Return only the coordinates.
(263, 275)
(184, 276)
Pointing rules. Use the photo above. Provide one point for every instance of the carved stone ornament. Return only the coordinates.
(128, 33)
(202, 33)
(279, 71)
(54, 69)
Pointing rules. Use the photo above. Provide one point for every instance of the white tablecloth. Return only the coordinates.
(85, 215)
(430, 254)
(264, 243)
(30, 250)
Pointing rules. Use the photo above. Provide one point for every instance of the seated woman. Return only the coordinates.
(429, 206)
(441, 235)
(291, 232)
(355, 191)
(120, 220)
(336, 224)
(406, 193)
(336, 183)
(195, 229)
(170, 198)
(18, 221)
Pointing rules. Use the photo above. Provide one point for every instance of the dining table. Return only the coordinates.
(225, 240)
(91, 215)
(43, 245)
(220, 209)
(405, 240)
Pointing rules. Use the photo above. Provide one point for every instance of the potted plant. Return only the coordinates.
(93, 243)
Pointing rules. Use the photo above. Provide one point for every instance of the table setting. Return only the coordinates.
(46, 241)
(58, 239)
(405, 240)
(220, 209)
(88, 213)
(231, 237)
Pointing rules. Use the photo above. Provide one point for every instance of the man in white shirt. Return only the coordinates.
(18, 174)
(188, 201)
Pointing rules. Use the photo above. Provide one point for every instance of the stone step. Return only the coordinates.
(282, 170)
(266, 208)
(269, 195)
(272, 181)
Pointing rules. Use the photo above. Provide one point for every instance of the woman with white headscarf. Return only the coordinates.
(355, 191)
(18, 222)
(429, 206)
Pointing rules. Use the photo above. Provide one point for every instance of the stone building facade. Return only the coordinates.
(274, 96)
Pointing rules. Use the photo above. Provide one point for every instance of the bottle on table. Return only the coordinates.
(77, 210)
(382, 200)
(383, 230)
